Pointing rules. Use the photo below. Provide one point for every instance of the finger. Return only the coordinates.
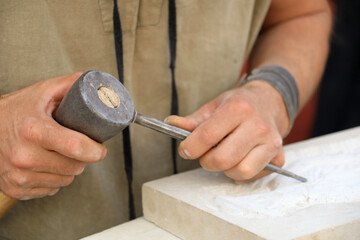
(40, 193)
(210, 132)
(279, 161)
(56, 89)
(231, 150)
(202, 114)
(181, 122)
(73, 144)
(31, 193)
(52, 136)
(253, 163)
(28, 179)
(50, 162)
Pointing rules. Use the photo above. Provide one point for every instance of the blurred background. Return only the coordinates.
(336, 104)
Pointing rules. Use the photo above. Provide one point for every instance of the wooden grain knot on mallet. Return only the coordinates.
(108, 96)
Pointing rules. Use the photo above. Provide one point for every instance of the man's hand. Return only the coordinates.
(37, 155)
(246, 126)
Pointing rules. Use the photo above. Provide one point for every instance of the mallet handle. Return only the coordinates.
(6, 203)
(64, 117)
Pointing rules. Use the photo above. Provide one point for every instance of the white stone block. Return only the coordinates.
(204, 205)
(138, 229)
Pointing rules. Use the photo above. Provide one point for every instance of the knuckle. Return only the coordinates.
(208, 137)
(275, 142)
(244, 107)
(30, 130)
(261, 130)
(19, 180)
(204, 163)
(222, 162)
(22, 159)
(246, 172)
(74, 147)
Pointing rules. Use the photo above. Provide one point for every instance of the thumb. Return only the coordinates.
(56, 89)
(61, 85)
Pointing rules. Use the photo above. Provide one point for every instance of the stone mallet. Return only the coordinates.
(99, 106)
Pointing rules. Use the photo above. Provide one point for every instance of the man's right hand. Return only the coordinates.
(38, 156)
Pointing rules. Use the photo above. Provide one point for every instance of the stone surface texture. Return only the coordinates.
(204, 205)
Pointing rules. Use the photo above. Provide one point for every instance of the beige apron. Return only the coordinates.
(41, 39)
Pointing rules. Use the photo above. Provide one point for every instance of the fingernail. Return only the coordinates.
(25, 198)
(98, 154)
(184, 154)
(53, 193)
(166, 120)
(238, 181)
(104, 153)
(81, 171)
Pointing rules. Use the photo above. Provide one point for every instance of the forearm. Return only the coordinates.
(297, 41)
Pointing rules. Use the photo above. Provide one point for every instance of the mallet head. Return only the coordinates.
(97, 105)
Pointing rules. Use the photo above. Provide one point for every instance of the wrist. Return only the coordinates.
(281, 80)
(272, 102)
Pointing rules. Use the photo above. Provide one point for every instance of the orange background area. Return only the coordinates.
(304, 123)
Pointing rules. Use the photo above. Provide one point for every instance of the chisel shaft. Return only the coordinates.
(181, 134)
